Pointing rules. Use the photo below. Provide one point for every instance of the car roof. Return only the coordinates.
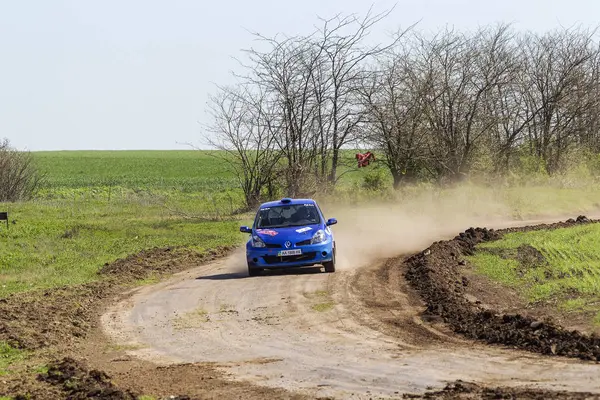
(287, 201)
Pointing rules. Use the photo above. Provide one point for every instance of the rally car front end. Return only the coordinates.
(290, 253)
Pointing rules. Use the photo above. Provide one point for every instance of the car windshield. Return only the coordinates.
(287, 215)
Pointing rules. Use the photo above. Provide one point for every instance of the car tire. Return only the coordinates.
(254, 271)
(330, 265)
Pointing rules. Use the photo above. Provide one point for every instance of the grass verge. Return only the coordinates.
(559, 267)
(8, 356)
(321, 300)
(56, 245)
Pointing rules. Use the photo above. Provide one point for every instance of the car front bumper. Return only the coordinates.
(263, 258)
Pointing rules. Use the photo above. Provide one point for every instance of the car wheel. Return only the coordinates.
(330, 265)
(254, 271)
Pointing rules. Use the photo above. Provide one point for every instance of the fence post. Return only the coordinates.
(4, 217)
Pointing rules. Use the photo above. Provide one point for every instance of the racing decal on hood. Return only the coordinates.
(269, 232)
(305, 229)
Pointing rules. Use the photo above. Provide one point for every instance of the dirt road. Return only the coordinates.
(353, 334)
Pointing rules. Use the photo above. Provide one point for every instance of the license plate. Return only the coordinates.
(284, 253)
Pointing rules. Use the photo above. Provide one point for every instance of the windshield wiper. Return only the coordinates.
(310, 223)
(287, 226)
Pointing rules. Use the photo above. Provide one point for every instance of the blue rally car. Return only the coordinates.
(290, 233)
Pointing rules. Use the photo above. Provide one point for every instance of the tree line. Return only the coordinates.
(431, 106)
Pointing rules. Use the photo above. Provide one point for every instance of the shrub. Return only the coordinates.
(374, 180)
(19, 178)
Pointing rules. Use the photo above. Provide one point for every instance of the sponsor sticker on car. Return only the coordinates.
(267, 232)
(306, 229)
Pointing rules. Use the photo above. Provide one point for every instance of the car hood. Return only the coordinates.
(294, 233)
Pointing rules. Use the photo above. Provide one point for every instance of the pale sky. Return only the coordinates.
(135, 74)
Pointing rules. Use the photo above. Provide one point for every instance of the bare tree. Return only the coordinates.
(461, 76)
(19, 177)
(343, 71)
(313, 82)
(394, 110)
(588, 123)
(244, 129)
(505, 105)
(284, 74)
(555, 78)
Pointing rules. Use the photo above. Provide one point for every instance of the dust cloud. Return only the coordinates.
(236, 262)
(367, 234)
(375, 230)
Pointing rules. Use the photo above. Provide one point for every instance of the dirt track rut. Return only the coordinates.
(353, 334)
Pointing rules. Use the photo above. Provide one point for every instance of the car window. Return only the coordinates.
(287, 215)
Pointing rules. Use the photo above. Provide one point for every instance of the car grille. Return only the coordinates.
(304, 242)
(273, 246)
(300, 257)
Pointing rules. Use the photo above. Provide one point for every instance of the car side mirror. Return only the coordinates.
(331, 221)
(245, 229)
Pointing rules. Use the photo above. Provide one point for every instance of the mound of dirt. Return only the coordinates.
(160, 261)
(466, 390)
(77, 382)
(73, 380)
(32, 320)
(529, 255)
(436, 274)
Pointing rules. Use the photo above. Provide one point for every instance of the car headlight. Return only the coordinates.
(257, 242)
(318, 237)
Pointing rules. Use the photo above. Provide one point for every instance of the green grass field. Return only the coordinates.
(62, 244)
(183, 170)
(561, 266)
(8, 356)
(96, 207)
(186, 170)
